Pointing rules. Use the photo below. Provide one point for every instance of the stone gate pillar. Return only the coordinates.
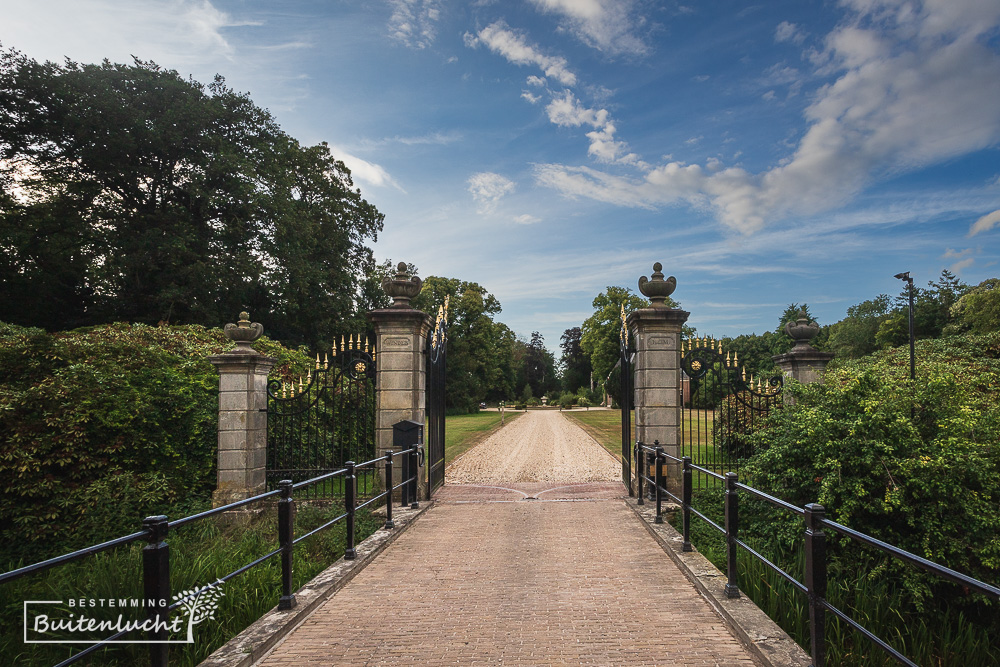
(803, 362)
(242, 439)
(401, 366)
(657, 334)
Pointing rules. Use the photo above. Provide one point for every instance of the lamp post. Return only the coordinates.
(909, 282)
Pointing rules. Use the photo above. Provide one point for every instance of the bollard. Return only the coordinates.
(686, 509)
(414, 471)
(286, 536)
(732, 532)
(816, 581)
(661, 460)
(349, 490)
(639, 458)
(156, 586)
(388, 490)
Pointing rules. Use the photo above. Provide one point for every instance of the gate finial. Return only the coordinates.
(402, 287)
(657, 289)
(243, 333)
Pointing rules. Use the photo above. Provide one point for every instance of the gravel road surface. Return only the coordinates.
(540, 446)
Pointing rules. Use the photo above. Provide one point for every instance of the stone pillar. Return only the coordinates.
(657, 334)
(803, 363)
(242, 454)
(401, 368)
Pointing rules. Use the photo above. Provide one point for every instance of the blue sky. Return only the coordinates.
(769, 153)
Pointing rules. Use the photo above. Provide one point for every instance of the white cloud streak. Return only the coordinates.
(488, 188)
(606, 25)
(364, 171)
(413, 23)
(500, 39)
(912, 88)
(985, 223)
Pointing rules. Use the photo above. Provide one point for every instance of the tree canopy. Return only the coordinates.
(131, 193)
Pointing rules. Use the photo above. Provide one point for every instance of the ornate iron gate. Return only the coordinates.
(721, 406)
(437, 354)
(625, 401)
(316, 424)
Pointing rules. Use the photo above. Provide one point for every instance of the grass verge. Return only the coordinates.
(463, 432)
(604, 426)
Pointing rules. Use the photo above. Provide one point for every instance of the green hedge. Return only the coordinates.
(104, 425)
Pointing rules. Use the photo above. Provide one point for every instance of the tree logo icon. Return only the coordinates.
(200, 604)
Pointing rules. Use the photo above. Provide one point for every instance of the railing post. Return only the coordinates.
(156, 586)
(388, 490)
(686, 505)
(816, 581)
(286, 536)
(660, 460)
(639, 458)
(350, 480)
(732, 532)
(414, 473)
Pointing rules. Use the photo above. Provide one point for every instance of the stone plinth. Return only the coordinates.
(656, 333)
(805, 365)
(400, 376)
(242, 450)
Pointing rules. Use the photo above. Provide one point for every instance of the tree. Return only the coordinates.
(854, 336)
(478, 347)
(130, 193)
(978, 311)
(931, 311)
(599, 332)
(539, 366)
(576, 371)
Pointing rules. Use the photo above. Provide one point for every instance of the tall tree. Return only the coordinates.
(539, 366)
(576, 370)
(131, 193)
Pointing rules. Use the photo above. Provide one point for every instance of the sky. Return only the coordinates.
(765, 153)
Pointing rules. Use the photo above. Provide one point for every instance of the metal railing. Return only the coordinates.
(156, 553)
(815, 521)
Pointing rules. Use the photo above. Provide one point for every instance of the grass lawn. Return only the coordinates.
(463, 432)
(604, 426)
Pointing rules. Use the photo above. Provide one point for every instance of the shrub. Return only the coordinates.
(103, 425)
(929, 484)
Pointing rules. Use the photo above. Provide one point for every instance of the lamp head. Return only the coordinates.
(903, 276)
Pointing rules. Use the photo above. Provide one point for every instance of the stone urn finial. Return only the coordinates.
(243, 333)
(403, 287)
(802, 331)
(657, 289)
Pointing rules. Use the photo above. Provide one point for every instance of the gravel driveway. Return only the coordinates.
(541, 446)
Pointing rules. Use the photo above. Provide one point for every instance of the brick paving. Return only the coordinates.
(529, 582)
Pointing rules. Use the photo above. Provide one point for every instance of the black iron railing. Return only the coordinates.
(815, 521)
(156, 553)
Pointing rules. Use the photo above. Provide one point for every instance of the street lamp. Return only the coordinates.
(909, 281)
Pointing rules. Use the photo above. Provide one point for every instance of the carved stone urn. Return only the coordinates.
(243, 333)
(802, 331)
(402, 287)
(657, 289)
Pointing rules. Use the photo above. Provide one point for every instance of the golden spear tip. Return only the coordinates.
(317, 361)
(326, 360)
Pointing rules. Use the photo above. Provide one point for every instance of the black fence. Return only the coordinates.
(721, 406)
(156, 553)
(437, 357)
(815, 523)
(316, 424)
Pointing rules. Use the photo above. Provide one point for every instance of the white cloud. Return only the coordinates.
(606, 25)
(985, 223)
(536, 80)
(365, 171)
(413, 23)
(960, 266)
(499, 38)
(911, 89)
(566, 111)
(488, 188)
(789, 32)
(533, 99)
(950, 253)
(526, 219)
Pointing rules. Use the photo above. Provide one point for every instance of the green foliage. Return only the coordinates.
(978, 311)
(133, 194)
(538, 366)
(929, 484)
(600, 332)
(931, 312)
(854, 336)
(480, 349)
(101, 426)
(576, 370)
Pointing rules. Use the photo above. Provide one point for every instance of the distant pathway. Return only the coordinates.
(511, 570)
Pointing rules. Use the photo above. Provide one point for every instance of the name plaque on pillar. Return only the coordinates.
(661, 342)
(397, 343)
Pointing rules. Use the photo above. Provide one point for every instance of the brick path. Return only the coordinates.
(520, 583)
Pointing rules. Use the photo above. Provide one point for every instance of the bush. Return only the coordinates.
(103, 425)
(567, 400)
(929, 484)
